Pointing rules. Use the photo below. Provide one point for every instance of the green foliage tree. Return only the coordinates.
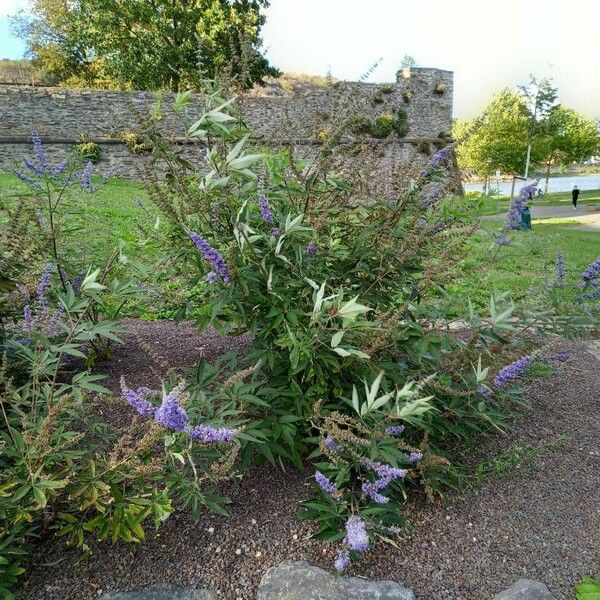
(497, 139)
(541, 97)
(568, 137)
(146, 44)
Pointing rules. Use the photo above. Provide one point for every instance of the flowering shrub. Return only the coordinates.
(337, 296)
(55, 474)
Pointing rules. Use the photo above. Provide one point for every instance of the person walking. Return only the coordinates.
(575, 194)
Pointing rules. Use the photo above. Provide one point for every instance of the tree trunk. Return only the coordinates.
(547, 177)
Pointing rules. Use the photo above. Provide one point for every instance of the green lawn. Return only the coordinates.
(100, 220)
(526, 263)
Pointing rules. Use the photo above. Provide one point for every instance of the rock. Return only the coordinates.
(162, 591)
(525, 589)
(300, 581)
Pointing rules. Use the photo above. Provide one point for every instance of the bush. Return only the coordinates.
(401, 122)
(387, 88)
(360, 125)
(340, 298)
(89, 151)
(135, 143)
(407, 95)
(383, 125)
(439, 88)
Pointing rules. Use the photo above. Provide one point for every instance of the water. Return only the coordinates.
(555, 184)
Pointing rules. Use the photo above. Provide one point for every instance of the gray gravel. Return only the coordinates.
(540, 521)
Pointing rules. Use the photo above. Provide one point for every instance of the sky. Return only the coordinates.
(487, 43)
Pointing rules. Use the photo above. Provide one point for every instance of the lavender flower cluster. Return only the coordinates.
(560, 269)
(265, 210)
(332, 444)
(512, 371)
(213, 257)
(40, 168)
(356, 540)
(356, 534)
(437, 159)
(386, 474)
(44, 320)
(171, 415)
(326, 484)
(515, 212)
(591, 272)
(394, 430)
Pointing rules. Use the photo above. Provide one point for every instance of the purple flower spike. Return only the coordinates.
(27, 180)
(212, 435)
(44, 284)
(342, 561)
(86, 178)
(331, 443)
(28, 323)
(59, 168)
(356, 535)
(394, 430)
(560, 269)
(38, 150)
(437, 159)
(383, 470)
(591, 272)
(212, 277)
(371, 490)
(170, 414)
(211, 256)
(137, 399)
(512, 371)
(325, 484)
(311, 249)
(415, 457)
(265, 209)
(517, 206)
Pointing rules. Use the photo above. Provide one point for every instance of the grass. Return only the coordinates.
(524, 265)
(100, 220)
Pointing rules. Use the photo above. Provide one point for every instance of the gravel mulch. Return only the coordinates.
(540, 520)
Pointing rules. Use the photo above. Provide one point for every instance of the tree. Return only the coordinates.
(497, 139)
(146, 44)
(567, 137)
(540, 97)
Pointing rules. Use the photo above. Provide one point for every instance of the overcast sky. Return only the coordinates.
(488, 44)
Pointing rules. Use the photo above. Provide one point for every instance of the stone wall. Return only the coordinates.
(62, 115)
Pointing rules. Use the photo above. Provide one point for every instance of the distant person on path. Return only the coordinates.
(575, 194)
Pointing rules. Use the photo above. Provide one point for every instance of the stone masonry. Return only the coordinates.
(61, 116)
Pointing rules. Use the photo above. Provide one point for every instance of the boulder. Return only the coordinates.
(162, 591)
(525, 589)
(300, 581)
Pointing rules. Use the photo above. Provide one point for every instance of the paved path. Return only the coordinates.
(585, 220)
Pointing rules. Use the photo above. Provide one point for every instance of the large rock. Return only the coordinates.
(161, 591)
(299, 581)
(525, 589)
